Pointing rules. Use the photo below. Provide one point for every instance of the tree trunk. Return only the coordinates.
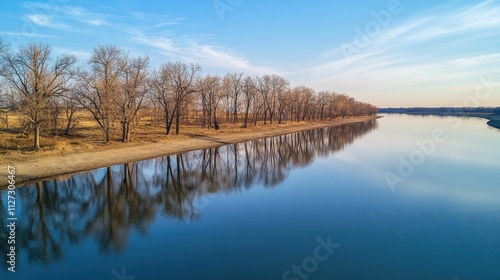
(56, 123)
(255, 117)
(216, 124)
(167, 126)
(204, 116)
(106, 126)
(177, 120)
(36, 145)
(125, 131)
(245, 120)
(68, 125)
(209, 120)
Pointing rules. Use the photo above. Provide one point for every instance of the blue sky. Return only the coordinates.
(386, 52)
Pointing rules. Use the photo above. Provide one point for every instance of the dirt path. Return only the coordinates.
(37, 168)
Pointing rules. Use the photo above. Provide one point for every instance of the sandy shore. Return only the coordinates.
(37, 168)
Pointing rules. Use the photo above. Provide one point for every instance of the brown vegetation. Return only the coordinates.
(52, 106)
(116, 89)
(85, 149)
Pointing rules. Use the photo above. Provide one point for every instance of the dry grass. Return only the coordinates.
(16, 145)
(72, 155)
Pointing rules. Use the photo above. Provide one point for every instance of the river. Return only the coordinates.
(401, 197)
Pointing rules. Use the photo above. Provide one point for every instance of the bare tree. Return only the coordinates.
(302, 98)
(323, 98)
(4, 90)
(35, 77)
(54, 110)
(181, 79)
(283, 104)
(342, 105)
(233, 86)
(249, 92)
(4, 50)
(258, 103)
(210, 89)
(70, 107)
(279, 88)
(264, 88)
(100, 85)
(114, 88)
(203, 100)
(4, 97)
(133, 88)
(270, 87)
(7, 102)
(162, 92)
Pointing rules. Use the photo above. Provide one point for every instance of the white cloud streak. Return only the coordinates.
(430, 54)
(46, 21)
(211, 55)
(64, 17)
(26, 34)
(144, 29)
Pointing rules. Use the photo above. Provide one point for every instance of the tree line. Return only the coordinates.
(117, 89)
(447, 111)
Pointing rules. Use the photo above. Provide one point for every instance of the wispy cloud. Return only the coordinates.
(444, 51)
(156, 32)
(85, 16)
(27, 34)
(81, 55)
(433, 57)
(46, 21)
(211, 55)
(64, 17)
(167, 23)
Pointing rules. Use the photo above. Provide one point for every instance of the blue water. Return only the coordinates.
(311, 205)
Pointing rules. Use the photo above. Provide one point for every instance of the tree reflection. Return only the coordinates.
(110, 204)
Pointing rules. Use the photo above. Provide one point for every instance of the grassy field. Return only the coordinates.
(87, 135)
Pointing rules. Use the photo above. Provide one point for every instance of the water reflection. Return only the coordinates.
(109, 203)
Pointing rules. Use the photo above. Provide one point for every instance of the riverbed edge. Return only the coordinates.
(54, 166)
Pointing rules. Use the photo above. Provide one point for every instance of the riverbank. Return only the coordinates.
(494, 121)
(491, 114)
(39, 165)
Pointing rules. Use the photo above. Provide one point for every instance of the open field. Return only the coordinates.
(86, 150)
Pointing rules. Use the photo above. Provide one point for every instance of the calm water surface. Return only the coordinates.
(266, 209)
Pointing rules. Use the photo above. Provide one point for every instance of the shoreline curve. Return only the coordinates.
(48, 167)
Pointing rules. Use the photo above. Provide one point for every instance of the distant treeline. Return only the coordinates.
(441, 110)
(116, 88)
